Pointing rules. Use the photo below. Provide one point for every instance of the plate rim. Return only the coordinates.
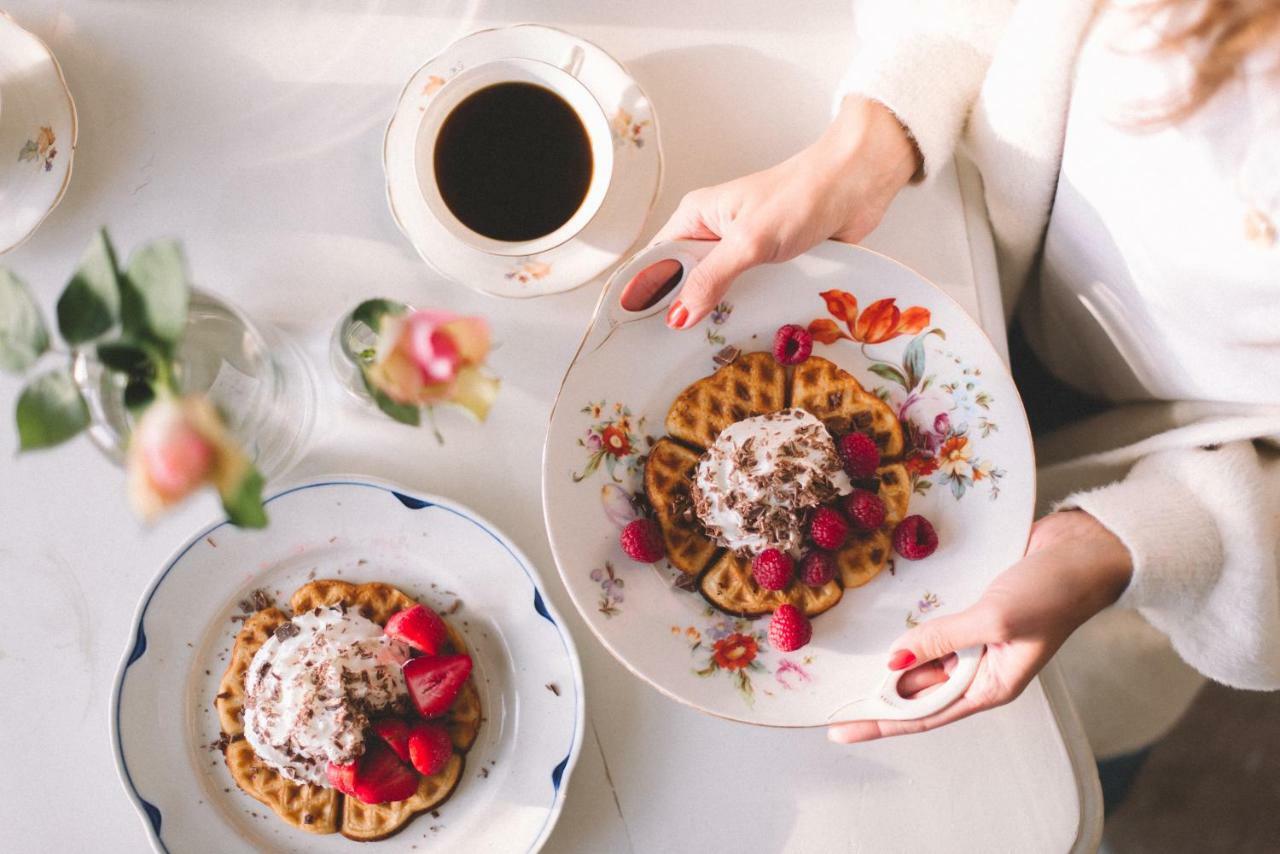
(136, 647)
(829, 243)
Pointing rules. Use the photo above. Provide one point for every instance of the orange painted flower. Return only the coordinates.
(615, 441)
(954, 457)
(879, 322)
(735, 651)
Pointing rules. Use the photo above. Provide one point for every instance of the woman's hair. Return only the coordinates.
(1217, 36)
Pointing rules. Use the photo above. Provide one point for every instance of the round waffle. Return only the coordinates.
(755, 384)
(317, 809)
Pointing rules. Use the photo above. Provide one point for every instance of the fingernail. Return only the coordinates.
(677, 315)
(902, 659)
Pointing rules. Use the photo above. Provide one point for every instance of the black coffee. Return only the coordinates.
(513, 161)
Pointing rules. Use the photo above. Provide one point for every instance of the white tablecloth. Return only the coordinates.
(252, 131)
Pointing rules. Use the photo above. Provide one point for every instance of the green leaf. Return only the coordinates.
(90, 304)
(890, 373)
(23, 336)
(155, 292)
(244, 504)
(371, 311)
(125, 357)
(50, 411)
(403, 412)
(913, 358)
(138, 394)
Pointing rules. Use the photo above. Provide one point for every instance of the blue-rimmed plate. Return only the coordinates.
(165, 731)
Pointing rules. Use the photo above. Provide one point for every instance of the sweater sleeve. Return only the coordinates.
(1203, 527)
(925, 60)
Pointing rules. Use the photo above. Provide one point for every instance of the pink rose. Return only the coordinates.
(429, 357)
(178, 446)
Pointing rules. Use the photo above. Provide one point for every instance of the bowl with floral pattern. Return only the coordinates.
(969, 457)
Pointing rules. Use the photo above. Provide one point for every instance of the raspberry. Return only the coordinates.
(642, 541)
(773, 569)
(792, 344)
(789, 629)
(828, 529)
(915, 538)
(817, 569)
(865, 510)
(860, 454)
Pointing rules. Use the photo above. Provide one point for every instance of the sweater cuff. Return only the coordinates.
(1171, 537)
(932, 111)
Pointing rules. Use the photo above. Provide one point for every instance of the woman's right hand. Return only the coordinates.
(839, 187)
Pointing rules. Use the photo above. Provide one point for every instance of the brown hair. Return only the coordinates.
(1218, 35)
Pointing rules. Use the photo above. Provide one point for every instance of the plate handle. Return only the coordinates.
(887, 704)
(648, 281)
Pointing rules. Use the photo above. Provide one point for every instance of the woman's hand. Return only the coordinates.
(1074, 567)
(838, 187)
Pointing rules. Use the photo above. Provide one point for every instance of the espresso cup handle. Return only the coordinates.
(574, 63)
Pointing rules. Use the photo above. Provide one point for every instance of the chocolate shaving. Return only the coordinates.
(726, 356)
(286, 631)
(553, 688)
(258, 600)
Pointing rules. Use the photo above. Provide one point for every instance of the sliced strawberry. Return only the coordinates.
(381, 777)
(342, 777)
(435, 680)
(419, 627)
(430, 747)
(395, 732)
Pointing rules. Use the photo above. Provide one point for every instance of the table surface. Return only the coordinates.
(253, 132)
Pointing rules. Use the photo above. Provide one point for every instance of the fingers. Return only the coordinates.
(710, 280)
(925, 676)
(686, 223)
(857, 731)
(935, 638)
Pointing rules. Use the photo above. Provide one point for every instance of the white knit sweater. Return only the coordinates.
(1192, 488)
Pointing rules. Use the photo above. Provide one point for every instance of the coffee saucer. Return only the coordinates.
(616, 225)
(37, 133)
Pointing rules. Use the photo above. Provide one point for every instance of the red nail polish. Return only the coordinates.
(677, 315)
(902, 659)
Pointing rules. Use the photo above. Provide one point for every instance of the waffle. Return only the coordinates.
(863, 557)
(730, 586)
(839, 401)
(668, 477)
(752, 384)
(895, 492)
(317, 809)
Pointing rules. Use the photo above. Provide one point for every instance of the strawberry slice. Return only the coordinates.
(395, 732)
(342, 777)
(435, 680)
(419, 627)
(430, 747)
(381, 777)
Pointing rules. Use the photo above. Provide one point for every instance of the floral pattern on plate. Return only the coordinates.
(941, 415)
(42, 150)
(739, 648)
(611, 595)
(627, 129)
(928, 603)
(719, 317)
(613, 439)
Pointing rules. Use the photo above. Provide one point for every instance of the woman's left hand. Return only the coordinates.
(1074, 567)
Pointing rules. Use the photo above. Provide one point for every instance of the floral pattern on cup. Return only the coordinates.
(942, 411)
(627, 129)
(41, 150)
(613, 440)
(739, 648)
(719, 317)
(928, 602)
(528, 271)
(611, 595)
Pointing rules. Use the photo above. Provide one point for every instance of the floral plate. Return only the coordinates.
(37, 133)
(164, 730)
(633, 188)
(971, 464)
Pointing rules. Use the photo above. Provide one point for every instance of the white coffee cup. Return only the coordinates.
(563, 83)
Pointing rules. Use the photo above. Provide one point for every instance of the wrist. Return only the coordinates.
(866, 139)
(1097, 551)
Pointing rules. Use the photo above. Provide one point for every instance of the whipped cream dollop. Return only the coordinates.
(312, 687)
(756, 484)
